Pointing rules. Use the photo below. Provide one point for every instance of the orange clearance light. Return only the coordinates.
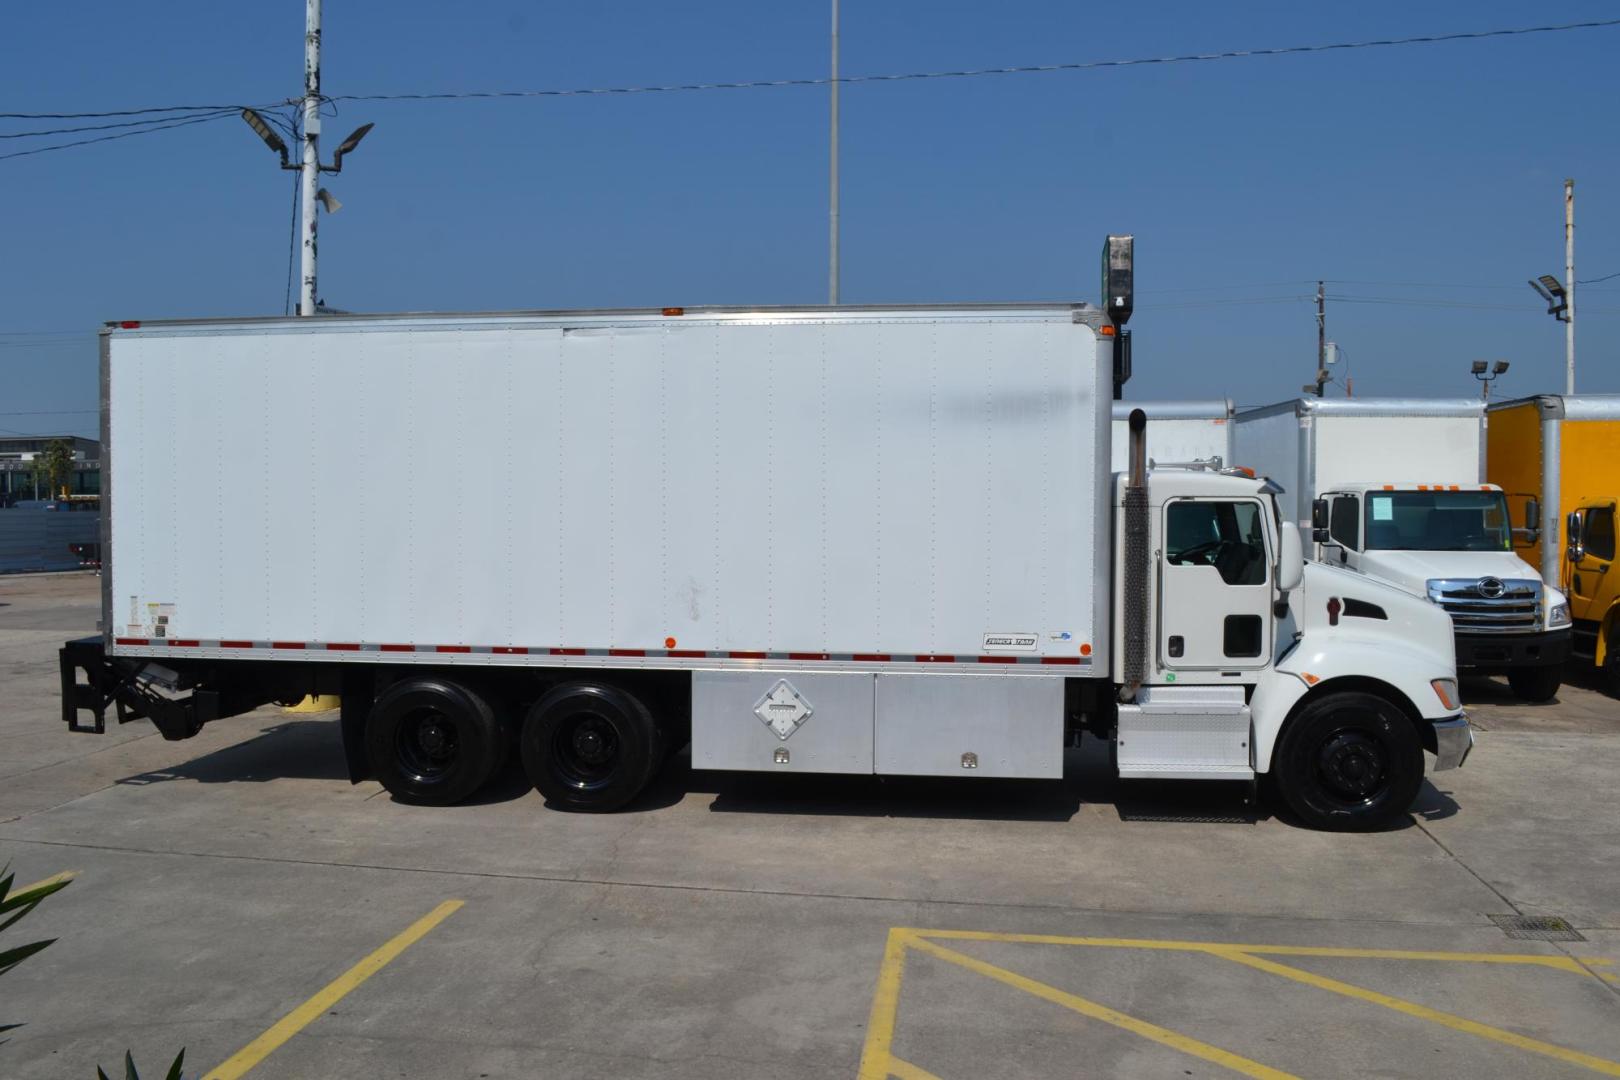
(1245, 470)
(1085, 648)
(1310, 680)
(1107, 331)
(669, 643)
(674, 311)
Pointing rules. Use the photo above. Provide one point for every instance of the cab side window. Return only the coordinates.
(1344, 524)
(1598, 536)
(1226, 535)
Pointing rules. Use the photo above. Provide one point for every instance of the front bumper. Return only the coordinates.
(1453, 739)
(1498, 652)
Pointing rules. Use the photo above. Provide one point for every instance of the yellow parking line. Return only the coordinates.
(905, 1070)
(1422, 1012)
(876, 1061)
(1153, 1032)
(289, 1025)
(65, 875)
(1561, 963)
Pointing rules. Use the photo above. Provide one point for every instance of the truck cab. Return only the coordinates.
(1454, 544)
(1236, 658)
(1555, 455)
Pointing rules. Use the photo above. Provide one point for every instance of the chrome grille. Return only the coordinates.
(1490, 605)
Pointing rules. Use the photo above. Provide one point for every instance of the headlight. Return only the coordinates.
(1558, 616)
(1446, 691)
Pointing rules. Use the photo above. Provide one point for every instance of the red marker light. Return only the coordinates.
(130, 324)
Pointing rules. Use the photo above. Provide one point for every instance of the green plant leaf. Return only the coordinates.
(101, 1074)
(174, 1070)
(28, 899)
(12, 957)
(129, 1067)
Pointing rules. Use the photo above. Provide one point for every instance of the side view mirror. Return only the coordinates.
(1530, 535)
(1319, 521)
(1290, 559)
(1572, 527)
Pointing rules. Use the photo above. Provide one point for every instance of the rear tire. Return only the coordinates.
(1349, 762)
(589, 747)
(432, 742)
(1536, 683)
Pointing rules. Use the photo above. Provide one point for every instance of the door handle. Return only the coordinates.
(1176, 646)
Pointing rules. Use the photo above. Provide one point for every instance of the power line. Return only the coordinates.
(1288, 50)
(1594, 281)
(208, 118)
(1419, 284)
(1088, 65)
(119, 112)
(50, 412)
(89, 127)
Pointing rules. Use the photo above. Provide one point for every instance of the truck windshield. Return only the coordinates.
(1438, 521)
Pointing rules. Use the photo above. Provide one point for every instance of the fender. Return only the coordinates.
(1323, 657)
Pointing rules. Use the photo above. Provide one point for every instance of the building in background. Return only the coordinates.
(17, 479)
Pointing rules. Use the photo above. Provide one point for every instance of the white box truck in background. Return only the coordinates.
(1196, 433)
(827, 540)
(1394, 488)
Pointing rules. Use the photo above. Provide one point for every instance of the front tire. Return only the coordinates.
(1536, 683)
(1349, 762)
(589, 747)
(432, 742)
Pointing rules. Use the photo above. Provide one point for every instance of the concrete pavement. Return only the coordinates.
(739, 926)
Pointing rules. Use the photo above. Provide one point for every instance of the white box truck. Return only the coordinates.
(1191, 433)
(1394, 488)
(840, 540)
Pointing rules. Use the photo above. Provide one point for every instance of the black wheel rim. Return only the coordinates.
(427, 745)
(1353, 765)
(585, 748)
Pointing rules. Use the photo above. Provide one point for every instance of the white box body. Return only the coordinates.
(845, 489)
(1312, 446)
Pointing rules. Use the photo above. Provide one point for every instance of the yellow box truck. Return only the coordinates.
(1564, 453)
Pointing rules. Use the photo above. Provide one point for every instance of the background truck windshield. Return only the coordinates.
(1438, 521)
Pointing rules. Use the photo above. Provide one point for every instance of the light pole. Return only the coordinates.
(832, 172)
(310, 168)
(1569, 278)
(1560, 295)
(1487, 374)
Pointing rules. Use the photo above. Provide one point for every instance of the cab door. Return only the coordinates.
(1214, 586)
(1589, 572)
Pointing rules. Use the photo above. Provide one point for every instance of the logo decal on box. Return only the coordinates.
(994, 643)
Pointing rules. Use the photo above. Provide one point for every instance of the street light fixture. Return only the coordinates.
(1488, 373)
(268, 134)
(345, 146)
(1552, 290)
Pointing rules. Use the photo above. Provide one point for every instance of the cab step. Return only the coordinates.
(1185, 733)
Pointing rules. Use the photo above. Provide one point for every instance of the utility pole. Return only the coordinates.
(309, 167)
(832, 177)
(1569, 286)
(310, 175)
(1321, 339)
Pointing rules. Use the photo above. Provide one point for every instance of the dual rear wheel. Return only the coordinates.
(585, 746)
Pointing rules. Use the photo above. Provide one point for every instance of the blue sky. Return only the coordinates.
(1243, 180)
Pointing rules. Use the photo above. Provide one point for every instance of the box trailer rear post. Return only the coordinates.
(817, 540)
